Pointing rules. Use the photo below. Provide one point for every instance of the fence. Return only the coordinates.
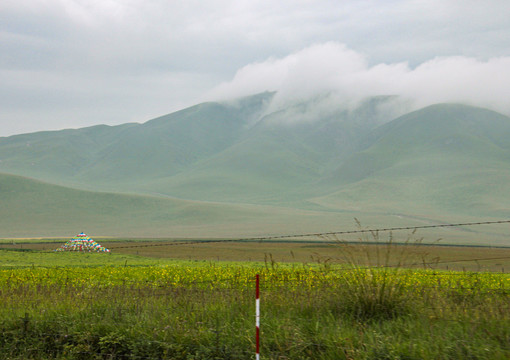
(139, 313)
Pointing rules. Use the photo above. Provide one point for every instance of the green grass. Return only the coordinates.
(204, 310)
(35, 209)
(31, 258)
(445, 163)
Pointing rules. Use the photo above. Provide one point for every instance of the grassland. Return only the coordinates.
(320, 302)
(217, 170)
(207, 174)
(157, 252)
(33, 208)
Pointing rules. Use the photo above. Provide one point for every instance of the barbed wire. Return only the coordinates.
(165, 283)
(320, 234)
(276, 237)
(382, 230)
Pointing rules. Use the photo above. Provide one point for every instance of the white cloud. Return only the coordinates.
(52, 48)
(332, 67)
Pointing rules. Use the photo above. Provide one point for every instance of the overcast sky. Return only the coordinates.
(75, 63)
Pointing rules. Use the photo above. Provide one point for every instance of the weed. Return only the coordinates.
(376, 277)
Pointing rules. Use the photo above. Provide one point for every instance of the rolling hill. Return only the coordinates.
(279, 159)
(240, 166)
(121, 157)
(442, 159)
(31, 208)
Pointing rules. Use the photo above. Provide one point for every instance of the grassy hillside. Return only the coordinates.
(57, 156)
(280, 159)
(220, 169)
(445, 159)
(33, 207)
(30, 208)
(123, 157)
(212, 151)
(168, 145)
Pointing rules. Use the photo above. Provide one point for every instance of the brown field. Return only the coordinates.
(467, 258)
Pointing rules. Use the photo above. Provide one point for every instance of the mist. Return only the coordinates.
(346, 76)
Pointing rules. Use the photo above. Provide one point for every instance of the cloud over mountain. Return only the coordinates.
(334, 68)
(72, 63)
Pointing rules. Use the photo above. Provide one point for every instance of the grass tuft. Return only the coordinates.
(376, 278)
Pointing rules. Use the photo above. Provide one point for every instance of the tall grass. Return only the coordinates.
(168, 313)
(376, 282)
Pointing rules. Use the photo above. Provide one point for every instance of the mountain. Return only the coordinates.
(443, 158)
(232, 151)
(281, 157)
(120, 157)
(261, 166)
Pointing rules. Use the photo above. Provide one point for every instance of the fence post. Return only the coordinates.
(257, 317)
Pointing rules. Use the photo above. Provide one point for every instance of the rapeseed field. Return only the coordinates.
(205, 310)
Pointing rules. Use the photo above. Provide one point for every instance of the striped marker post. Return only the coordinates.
(257, 318)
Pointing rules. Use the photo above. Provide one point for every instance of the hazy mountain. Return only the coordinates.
(443, 161)
(121, 157)
(231, 151)
(36, 209)
(448, 158)
(280, 158)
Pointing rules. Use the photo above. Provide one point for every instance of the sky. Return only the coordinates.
(76, 63)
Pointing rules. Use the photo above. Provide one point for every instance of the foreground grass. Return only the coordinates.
(205, 310)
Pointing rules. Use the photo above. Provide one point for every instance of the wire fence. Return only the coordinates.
(322, 235)
(272, 284)
(317, 235)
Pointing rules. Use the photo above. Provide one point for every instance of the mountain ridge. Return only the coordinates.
(442, 160)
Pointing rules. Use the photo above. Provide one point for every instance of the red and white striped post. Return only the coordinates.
(257, 318)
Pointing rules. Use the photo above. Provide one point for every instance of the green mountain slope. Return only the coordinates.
(31, 208)
(231, 168)
(278, 160)
(57, 155)
(220, 152)
(122, 157)
(34, 207)
(441, 159)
